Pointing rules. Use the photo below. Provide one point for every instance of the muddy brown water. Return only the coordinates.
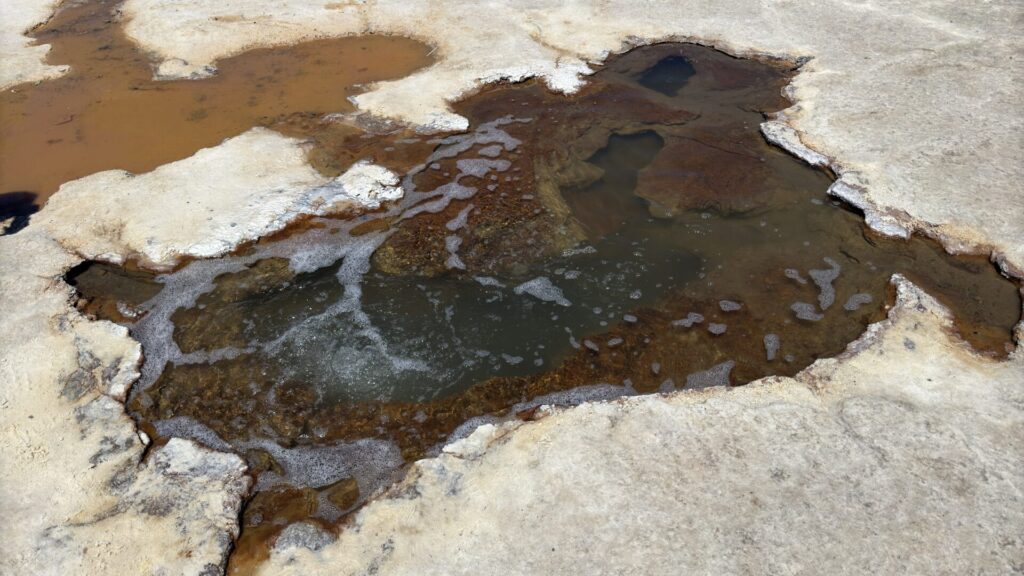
(108, 112)
(639, 236)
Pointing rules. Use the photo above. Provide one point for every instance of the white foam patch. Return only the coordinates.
(460, 219)
(511, 360)
(794, 274)
(451, 244)
(576, 396)
(691, 319)
(488, 281)
(369, 461)
(717, 375)
(729, 305)
(856, 301)
(823, 279)
(492, 151)
(479, 167)
(717, 329)
(444, 195)
(772, 343)
(805, 311)
(542, 289)
(192, 429)
(568, 252)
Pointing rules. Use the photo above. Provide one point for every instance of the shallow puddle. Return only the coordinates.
(108, 112)
(640, 236)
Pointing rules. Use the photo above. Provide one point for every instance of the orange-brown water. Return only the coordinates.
(108, 112)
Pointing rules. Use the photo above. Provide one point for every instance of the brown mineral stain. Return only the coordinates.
(108, 112)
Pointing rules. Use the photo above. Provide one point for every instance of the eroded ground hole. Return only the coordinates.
(639, 236)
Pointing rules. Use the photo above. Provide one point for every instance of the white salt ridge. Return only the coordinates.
(247, 187)
(823, 279)
(542, 289)
(717, 375)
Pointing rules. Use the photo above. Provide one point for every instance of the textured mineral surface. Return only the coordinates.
(21, 60)
(902, 455)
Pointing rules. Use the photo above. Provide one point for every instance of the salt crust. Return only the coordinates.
(933, 158)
